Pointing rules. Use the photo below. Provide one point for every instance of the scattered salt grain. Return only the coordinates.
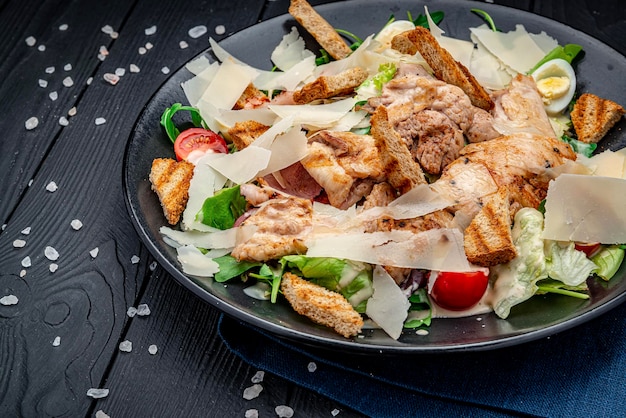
(311, 367)
(53, 267)
(52, 187)
(57, 341)
(68, 82)
(43, 83)
(148, 46)
(31, 123)
(165, 70)
(101, 414)
(98, 393)
(8, 300)
(108, 29)
(283, 411)
(126, 346)
(63, 121)
(142, 50)
(26, 230)
(131, 312)
(19, 243)
(334, 412)
(63, 27)
(133, 68)
(72, 111)
(94, 253)
(22, 273)
(143, 309)
(41, 48)
(258, 377)
(76, 224)
(252, 413)
(30, 182)
(152, 266)
(252, 392)
(67, 67)
(26, 262)
(151, 30)
(114, 35)
(110, 78)
(31, 41)
(120, 72)
(197, 31)
(100, 121)
(134, 259)
(220, 29)
(183, 44)
(51, 253)
(422, 332)
(49, 70)
(53, 95)
(89, 80)
(4, 226)
(153, 349)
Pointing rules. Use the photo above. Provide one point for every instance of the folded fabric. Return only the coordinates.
(578, 372)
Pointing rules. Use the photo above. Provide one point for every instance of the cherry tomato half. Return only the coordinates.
(587, 247)
(459, 291)
(198, 139)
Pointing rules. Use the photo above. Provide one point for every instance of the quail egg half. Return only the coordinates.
(556, 82)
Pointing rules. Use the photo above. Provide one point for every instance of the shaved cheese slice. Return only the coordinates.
(586, 209)
(290, 51)
(418, 201)
(487, 70)
(286, 150)
(287, 80)
(203, 184)
(195, 263)
(505, 46)
(388, 306)
(266, 139)
(194, 87)
(241, 166)
(208, 240)
(198, 65)
(348, 121)
(319, 116)
(606, 164)
(435, 249)
(228, 118)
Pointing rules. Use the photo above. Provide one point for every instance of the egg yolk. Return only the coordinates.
(553, 87)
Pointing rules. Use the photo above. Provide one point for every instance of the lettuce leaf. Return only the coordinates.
(566, 264)
(608, 261)
(222, 209)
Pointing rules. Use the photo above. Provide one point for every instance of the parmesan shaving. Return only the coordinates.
(419, 201)
(208, 240)
(203, 184)
(241, 166)
(290, 51)
(195, 263)
(317, 116)
(388, 306)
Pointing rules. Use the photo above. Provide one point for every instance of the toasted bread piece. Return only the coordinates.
(488, 239)
(251, 98)
(319, 28)
(170, 180)
(593, 116)
(402, 172)
(243, 134)
(321, 305)
(330, 86)
(444, 66)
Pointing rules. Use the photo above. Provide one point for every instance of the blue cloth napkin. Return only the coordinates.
(580, 372)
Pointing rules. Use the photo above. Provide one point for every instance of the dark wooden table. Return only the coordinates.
(83, 297)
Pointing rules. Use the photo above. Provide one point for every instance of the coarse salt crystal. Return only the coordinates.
(220, 29)
(133, 68)
(57, 341)
(311, 367)
(4, 226)
(63, 121)
(252, 391)
(94, 253)
(8, 300)
(131, 312)
(100, 121)
(134, 259)
(165, 70)
(63, 27)
(41, 48)
(422, 332)
(68, 82)
(152, 266)
(142, 50)
(67, 67)
(120, 72)
(114, 35)
(101, 414)
(143, 309)
(22, 273)
(258, 377)
(110, 78)
(72, 111)
(101, 57)
(53, 267)
(52, 187)
(197, 31)
(153, 349)
(148, 46)
(43, 83)
(76, 224)
(284, 411)
(151, 30)
(334, 412)
(126, 346)
(53, 95)
(98, 393)
(19, 243)
(252, 413)
(49, 70)
(183, 44)
(26, 230)
(31, 123)
(31, 41)
(26, 262)
(89, 80)
(51, 253)
(108, 29)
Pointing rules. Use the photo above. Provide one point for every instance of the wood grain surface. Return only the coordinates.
(83, 296)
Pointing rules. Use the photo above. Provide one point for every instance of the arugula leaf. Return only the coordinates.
(487, 18)
(272, 275)
(222, 209)
(420, 311)
(580, 147)
(557, 287)
(568, 52)
(168, 123)
(231, 268)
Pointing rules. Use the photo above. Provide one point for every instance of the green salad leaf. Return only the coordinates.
(222, 209)
(420, 311)
(580, 147)
(608, 261)
(231, 268)
(567, 52)
(167, 120)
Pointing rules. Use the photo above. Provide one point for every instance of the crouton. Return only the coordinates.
(593, 117)
(242, 134)
(170, 180)
(325, 87)
(321, 305)
(251, 98)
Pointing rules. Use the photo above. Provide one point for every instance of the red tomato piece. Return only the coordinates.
(198, 139)
(589, 248)
(459, 291)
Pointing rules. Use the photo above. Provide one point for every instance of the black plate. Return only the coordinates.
(600, 72)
